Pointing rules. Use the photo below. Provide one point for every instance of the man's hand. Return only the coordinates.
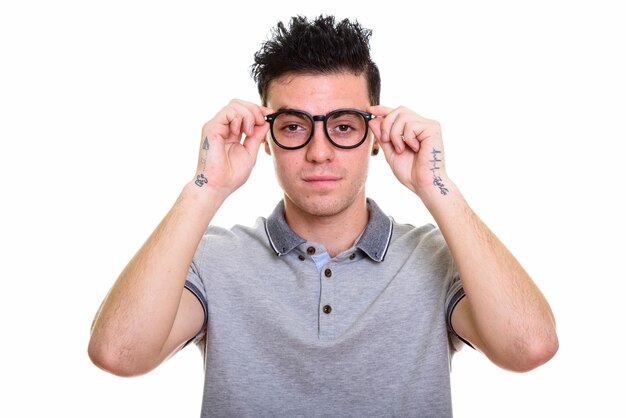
(225, 161)
(413, 147)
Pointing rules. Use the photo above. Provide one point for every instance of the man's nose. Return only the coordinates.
(319, 149)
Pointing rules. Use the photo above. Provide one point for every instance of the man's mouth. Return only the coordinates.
(321, 180)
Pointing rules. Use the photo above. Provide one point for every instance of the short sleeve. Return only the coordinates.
(455, 294)
(195, 286)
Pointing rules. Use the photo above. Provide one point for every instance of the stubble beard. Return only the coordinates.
(325, 204)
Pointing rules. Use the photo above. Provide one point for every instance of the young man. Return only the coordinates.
(327, 307)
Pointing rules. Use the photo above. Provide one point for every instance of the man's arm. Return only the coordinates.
(504, 314)
(148, 314)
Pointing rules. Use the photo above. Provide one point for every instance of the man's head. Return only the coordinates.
(319, 46)
(318, 67)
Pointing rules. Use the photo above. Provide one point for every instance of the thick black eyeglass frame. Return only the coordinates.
(316, 118)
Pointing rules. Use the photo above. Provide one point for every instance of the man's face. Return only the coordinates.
(320, 179)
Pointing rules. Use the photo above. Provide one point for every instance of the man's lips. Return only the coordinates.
(321, 178)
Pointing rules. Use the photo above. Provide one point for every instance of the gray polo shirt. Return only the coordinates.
(290, 332)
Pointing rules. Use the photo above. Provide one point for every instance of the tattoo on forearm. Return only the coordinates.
(436, 179)
(442, 188)
(200, 179)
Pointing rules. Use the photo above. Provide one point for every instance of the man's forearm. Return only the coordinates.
(508, 313)
(136, 318)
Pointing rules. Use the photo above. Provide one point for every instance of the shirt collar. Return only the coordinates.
(374, 241)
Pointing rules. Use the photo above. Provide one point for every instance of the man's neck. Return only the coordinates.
(337, 232)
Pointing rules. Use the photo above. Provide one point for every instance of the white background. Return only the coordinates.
(101, 106)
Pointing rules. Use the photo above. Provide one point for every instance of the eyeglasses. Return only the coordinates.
(293, 129)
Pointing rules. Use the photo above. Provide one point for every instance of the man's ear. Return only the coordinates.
(375, 147)
(266, 145)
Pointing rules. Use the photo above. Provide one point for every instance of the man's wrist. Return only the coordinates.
(438, 190)
(204, 198)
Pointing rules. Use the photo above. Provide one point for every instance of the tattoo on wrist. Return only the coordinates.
(201, 180)
(435, 168)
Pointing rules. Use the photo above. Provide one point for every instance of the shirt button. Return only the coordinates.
(310, 250)
(328, 273)
(327, 309)
(301, 257)
(352, 256)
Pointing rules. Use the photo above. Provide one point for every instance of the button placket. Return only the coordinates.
(327, 309)
(327, 289)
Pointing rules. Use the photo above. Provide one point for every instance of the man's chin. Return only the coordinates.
(319, 206)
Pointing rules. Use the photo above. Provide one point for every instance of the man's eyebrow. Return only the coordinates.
(288, 108)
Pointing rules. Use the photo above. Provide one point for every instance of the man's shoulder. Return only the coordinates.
(427, 235)
(217, 236)
(426, 230)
